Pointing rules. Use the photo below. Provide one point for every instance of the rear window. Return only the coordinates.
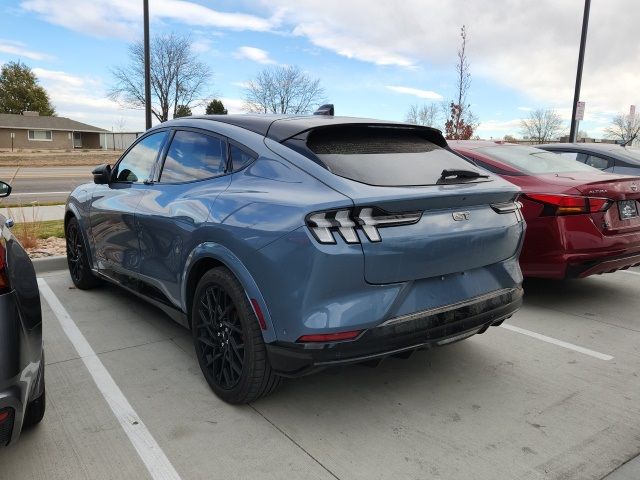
(535, 161)
(384, 156)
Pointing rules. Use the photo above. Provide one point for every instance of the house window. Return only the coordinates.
(40, 135)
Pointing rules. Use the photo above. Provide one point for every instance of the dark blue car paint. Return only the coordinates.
(253, 222)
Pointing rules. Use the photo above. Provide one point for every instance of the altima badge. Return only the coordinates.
(460, 216)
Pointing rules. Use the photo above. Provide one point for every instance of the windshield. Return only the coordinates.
(535, 161)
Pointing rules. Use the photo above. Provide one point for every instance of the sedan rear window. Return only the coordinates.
(385, 156)
(534, 161)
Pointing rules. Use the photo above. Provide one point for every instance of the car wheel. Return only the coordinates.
(37, 406)
(77, 258)
(228, 340)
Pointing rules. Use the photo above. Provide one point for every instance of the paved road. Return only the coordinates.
(502, 405)
(44, 184)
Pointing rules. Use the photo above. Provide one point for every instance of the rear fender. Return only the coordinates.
(222, 254)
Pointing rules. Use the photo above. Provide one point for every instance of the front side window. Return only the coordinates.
(40, 135)
(137, 164)
(193, 156)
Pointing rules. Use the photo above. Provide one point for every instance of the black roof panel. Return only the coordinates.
(282, 127)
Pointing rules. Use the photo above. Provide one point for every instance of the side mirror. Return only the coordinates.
(5, 189)
(102, 174)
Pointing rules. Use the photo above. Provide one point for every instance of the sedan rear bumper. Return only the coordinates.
(427, 329)
(602, 265)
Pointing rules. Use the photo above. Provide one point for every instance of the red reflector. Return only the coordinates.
(4, 415)
(256, 308)
(330, 337)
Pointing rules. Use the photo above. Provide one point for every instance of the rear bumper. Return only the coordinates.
(602, 265)
(573, 247)
(426, 329)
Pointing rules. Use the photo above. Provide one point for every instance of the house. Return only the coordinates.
(31, 131)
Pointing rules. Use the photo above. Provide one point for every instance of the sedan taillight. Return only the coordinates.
(346, 222)
(569, 204)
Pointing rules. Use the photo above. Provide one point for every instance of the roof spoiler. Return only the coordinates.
(326, 109)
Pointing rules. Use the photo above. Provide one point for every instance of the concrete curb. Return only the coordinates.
(49, 264)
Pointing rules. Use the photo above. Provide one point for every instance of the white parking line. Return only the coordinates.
(150, 453)
(629, 271)
(555, 341)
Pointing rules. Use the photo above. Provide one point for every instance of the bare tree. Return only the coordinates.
(177, 77)
(427, 114)
(624, 128)
(461, 122)
(283, 89)
(542, 125)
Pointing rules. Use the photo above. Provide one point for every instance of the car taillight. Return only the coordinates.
(4, 278)
(346, 222)
(569, 204)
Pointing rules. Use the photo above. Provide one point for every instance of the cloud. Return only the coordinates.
(20, 49)
(415, 92)
(123, 18)
(525, 109)
(254, 54)
(83, 98)
(501, 127)
(529, 47)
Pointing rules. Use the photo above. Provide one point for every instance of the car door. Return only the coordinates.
(169, 218)
(112, 213)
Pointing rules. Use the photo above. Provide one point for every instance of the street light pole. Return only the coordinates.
(147, 68)
(576, 96)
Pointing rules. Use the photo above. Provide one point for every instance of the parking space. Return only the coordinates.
(503, 405)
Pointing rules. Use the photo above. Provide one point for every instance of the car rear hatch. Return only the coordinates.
(420, 210)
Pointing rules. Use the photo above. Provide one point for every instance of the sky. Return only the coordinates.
(373, 58)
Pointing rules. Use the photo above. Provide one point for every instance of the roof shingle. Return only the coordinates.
(8, 120)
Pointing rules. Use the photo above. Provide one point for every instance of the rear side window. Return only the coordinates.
(384, 156)
(193, 156)
(240, 158)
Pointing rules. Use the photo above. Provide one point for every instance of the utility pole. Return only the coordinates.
(576, 96)
(147, 68)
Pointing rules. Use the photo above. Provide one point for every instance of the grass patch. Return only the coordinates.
(30, 204)
(28, 233)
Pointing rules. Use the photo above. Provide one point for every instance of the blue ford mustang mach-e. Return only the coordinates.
(290, 244)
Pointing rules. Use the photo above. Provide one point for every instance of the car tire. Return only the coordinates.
(228, 340)
(77, 258)
(36, 407)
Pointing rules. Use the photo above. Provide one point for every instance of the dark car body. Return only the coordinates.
(607, 157)
(21, 353)
(574, 224)
(344, 250)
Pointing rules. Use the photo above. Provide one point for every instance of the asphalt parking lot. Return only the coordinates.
(556, 395)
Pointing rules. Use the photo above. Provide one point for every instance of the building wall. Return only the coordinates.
(90, 140)
(59, 140)
(118, 140)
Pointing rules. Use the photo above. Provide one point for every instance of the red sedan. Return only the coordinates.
(580, 221)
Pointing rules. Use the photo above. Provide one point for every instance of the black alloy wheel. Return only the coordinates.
(219, 336)
(77, 258)
(228, 340)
